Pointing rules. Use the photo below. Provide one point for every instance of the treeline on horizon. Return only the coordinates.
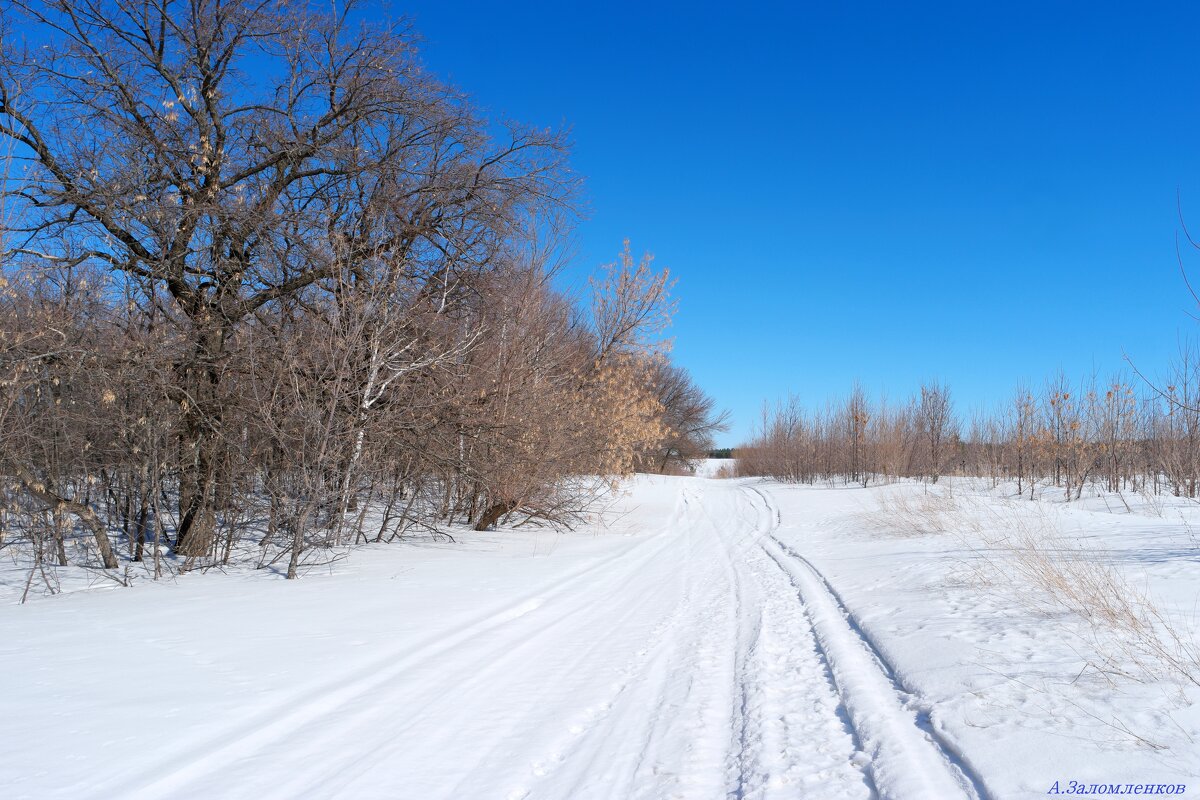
(1123, 433)
(262, 274)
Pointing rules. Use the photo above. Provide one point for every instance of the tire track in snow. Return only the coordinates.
(910, 757)
(624, 742)
(428, 720)
(786, 603)
(317, 702)
(641, 716)
(791, 737)
(681, 727)
(743, 760)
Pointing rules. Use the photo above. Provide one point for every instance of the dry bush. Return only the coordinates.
(1026, 555)
(1128, 635)
(903, 514)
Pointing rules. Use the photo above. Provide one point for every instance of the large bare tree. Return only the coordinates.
(224, 156)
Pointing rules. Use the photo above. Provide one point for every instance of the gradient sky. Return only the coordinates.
(881, 192)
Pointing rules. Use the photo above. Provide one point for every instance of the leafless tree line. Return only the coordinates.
(856, 440)
(1122, 433)
(265, 277)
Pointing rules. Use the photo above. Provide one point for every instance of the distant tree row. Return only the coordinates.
(1122, 433)
(267, 281)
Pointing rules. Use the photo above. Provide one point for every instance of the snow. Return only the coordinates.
(712, 467)
(707, 638)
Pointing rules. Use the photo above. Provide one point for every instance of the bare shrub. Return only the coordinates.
(1026, 555)
(1128, 634)
(726, 471)
(901, 512)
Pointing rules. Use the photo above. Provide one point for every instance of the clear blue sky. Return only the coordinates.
(876, 191)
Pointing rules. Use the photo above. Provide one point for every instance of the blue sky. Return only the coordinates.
(884, 192)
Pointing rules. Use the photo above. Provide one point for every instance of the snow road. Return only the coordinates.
(698, 656)
(712, 639)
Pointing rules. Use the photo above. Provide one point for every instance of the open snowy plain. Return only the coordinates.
(710, 639)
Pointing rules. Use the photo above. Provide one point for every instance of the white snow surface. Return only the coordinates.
(707, 639)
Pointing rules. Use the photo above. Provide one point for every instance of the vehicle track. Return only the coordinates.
(791, 737)
(708, 659)
(910, 756)
(341, 702)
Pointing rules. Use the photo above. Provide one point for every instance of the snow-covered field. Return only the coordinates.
(711, 639)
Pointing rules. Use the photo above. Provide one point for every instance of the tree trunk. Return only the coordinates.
(142, 520)
(84, 512)
(493, 514)
(198, 441)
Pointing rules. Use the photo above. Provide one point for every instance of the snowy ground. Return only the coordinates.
(716, 639)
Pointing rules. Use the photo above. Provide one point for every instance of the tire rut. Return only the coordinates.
(903, 736)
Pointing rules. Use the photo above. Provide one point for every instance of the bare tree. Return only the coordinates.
(149, 151)
(935, 413)
(262, 274)
(631, 306)
(689, 417)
